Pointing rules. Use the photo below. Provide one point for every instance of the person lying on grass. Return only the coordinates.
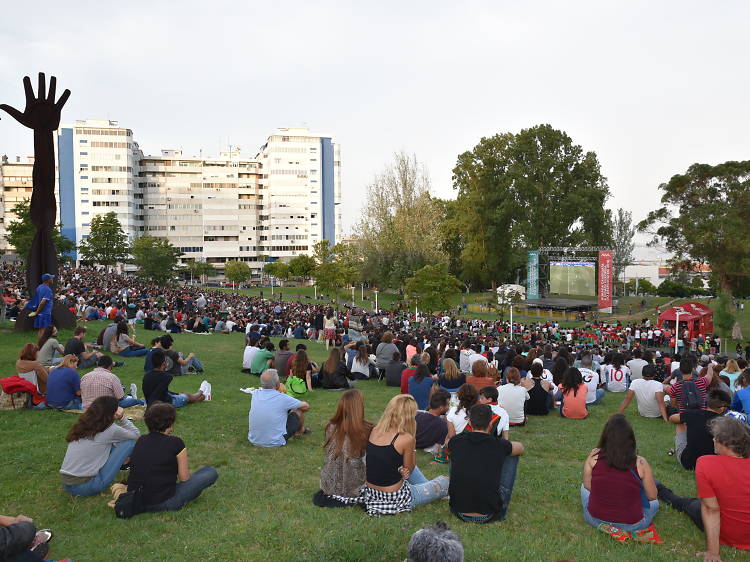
(99, 443)
(159, 459)
(723, 489)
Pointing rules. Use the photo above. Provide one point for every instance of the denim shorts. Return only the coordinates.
(178, 400)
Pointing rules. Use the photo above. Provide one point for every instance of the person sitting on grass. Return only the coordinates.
(741, 400)
(432, 429)
(572, 395)
(123, 344)
(159, 465)
(451, 378)
(723, 489)
(334, 374)
(649, 395)
(28, 366)
(87, 355)
(21, 542)
(156, 384)
(147, 363)
(420, 385)
(64, 385)
(302, 368)
(99, 443)
(489, 395)
(346, 435)
(618, 486)
(275, 417)
(693, 438)
(280, 360)
(180, 365)
(591, 380)
(103, 382)
(512, 397)
(50, 350)
(394, 482)
(436, 543)
(480, 375)
(393, 369)
(483, 470)
(458, 415)
(540, 393)
(263, 359)
(408, 372)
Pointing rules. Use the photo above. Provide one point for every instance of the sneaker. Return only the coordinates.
(119, 364)
(205, 388)
(134, 390)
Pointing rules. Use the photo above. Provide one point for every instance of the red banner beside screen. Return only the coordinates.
(605, 281)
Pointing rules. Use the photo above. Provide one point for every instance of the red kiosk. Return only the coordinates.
(695, 317)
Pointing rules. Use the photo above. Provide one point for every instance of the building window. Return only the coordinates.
(83, 153)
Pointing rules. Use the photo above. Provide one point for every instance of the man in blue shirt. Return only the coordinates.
(275, 417)
(41, 304)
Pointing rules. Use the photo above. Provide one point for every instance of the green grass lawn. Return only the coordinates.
(261, 509)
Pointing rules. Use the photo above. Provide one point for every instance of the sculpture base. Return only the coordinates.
(61, 317)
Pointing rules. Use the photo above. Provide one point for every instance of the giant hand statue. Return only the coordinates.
(42, 115)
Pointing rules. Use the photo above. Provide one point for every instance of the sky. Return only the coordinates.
(651, 87)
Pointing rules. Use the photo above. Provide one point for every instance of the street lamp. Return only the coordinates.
(676, 329)
(376, 299)
(352, 296)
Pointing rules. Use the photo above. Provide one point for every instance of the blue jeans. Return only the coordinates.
(424, 491)
(194, 362)
(132, 351)
(178, 400)
(648, 514)
(599, 397)
(129, 401)
(107, 473)
(74, 404)
(188, 490)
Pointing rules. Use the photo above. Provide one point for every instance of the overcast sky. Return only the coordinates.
(651, 87)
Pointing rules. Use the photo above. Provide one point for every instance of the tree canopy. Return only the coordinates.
(156, 258)
(521, 191)
(301, 266)
(623, 242)
(106, 243)
(237, 271)
(431, 287)
(704, 219)
(20, 234)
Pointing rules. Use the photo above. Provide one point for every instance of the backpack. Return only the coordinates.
(296, 387)
(129, 504)
(691, 396)
(494, 420)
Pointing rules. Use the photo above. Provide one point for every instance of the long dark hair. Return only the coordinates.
(572, 380)
(349, 423)
(122, 328)
(46, 334)
(467, 396)
(332, 363)
(362, 357)
(422, 373)
(299, 365)
(558, 369)
(617, 443)
(98, 417)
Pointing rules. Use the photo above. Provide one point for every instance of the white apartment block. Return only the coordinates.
(209, 208)
(274, 206)
(97, 166)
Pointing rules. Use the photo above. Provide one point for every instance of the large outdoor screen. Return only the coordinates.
(572, 277)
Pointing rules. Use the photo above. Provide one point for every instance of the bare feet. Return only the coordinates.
(197, 397)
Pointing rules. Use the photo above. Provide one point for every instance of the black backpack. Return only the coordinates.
(691, 395)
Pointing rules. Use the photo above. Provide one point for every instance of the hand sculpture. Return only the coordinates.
(42, 115)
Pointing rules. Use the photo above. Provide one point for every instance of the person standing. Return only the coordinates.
(41, 304)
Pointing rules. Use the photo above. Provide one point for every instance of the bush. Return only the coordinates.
(674, 289)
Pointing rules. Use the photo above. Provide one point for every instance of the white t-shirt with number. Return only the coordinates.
(617, 379)
(591, 380)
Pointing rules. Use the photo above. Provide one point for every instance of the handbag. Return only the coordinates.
(129, 504)
(14, 401)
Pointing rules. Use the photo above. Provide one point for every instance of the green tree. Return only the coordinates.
(326, 270)
(20, 234)
(237, 271)
(156, 258)
(199, 269)
(623, 242)
(106, 244)
(431, 287)
(641, 287)
(725, 315)
(301, 266)
(277, 269)
(521, 191)
(703, 219)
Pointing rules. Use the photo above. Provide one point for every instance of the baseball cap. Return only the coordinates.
(47, 277)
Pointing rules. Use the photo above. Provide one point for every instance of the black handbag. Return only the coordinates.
(129, 504)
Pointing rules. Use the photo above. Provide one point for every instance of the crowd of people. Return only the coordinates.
(466, 389)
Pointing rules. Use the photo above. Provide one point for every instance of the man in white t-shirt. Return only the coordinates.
(488, 395)
(591, 380)
(649, 394)
(617, 377)
(247, 357)
(636, 364)
(475, 356)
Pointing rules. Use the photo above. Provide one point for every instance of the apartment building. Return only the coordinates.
(214, 209)
(209, 208)
(97, 167)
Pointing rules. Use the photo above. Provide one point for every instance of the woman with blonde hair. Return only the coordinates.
(394, 483)
(451, 379)
(346, 435)
(732, 371)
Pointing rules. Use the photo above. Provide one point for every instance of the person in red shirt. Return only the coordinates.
(723, 510)
(407, 373)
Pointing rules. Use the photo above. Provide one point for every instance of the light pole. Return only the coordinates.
(376, 299)
(315, 287)
(362, 294)
(511, 321)
(352, 296)
(676, 329)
